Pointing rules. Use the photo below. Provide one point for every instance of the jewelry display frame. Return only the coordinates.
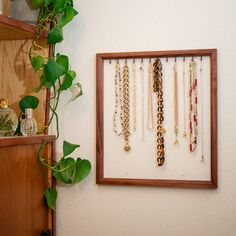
(198, 184)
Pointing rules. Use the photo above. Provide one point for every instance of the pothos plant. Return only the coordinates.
(56, 75)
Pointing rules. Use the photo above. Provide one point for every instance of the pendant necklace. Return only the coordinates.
(126, 106)
(158, 89)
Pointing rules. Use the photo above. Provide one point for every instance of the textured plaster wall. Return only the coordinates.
(141, 25)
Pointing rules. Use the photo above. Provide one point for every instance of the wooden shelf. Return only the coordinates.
(25, 140)
(12, 29)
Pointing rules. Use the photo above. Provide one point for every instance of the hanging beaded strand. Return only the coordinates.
(158, 89)
(126, 106)
(175, 102)
(134, 95)
(184, 99)
(118, 101)
(193, 129)
(202, 115)
(150, 91)
(142, 97)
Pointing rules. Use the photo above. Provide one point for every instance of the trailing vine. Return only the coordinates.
(56, 75)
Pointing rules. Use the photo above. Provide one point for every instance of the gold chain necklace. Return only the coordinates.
(150, 90)
(126, 106)
(175, 103)
(142, 97)
(118, 100)
(158, 89)
(184, 99)
(134, 95)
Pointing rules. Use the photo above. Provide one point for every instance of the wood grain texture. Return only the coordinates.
(12, 29)
(17, 77)
(99, 119)
(22, 184)
(214, 132)
(5, 9)
(155, 54)
(100, 179)
(27, 140)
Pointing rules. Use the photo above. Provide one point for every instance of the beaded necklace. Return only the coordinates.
(193, 128)
(184, 100)
(118, 101)
(202, 115)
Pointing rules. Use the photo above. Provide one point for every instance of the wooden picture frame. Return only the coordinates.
(100, 178)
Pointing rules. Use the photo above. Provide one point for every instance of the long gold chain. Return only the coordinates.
(175, 103)
(134, 95)
(150, 91)
(184, 99)
(126, 107)
(118, 100)
(158, 89)
(142, 97)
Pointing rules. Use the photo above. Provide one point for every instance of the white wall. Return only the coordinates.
(141, 25)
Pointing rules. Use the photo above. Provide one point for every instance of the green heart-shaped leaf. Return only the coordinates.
(68, 148)
(55, 35)
(51, 196)
(67, 82)
(83, 168)
(37, 62)
(59, 6)
(63, 61)
(68, 169)
(53, 71)
(69, 14)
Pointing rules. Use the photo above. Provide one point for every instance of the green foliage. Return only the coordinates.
(37, 62)
(67, 170)
(50, 195)
(68, 15)
(55, 35)
(28, 102)
(68, 148)
(37, 3)
(63, 61)
(56, 75)
(83, 168)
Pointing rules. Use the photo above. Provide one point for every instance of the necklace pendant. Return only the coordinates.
(126, 147)
(163, 131)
